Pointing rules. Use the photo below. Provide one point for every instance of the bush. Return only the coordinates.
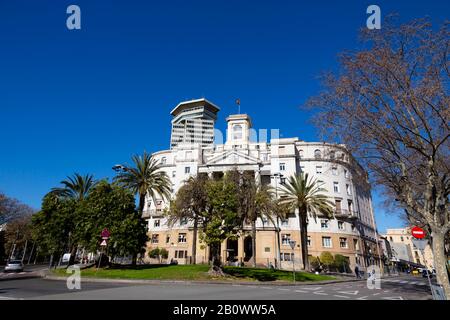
(315, 263)
(327, 259)
(342, 263)
(164, 253)
(154, 253)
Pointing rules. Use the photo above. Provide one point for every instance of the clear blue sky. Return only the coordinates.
(82, 101)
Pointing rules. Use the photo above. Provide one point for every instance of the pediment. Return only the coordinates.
(232, 157)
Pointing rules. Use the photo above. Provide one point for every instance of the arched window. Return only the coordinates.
(317, 154)
(332, 154)
(237, 132)
(163, 160)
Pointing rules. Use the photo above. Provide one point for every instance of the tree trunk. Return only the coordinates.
(194, 241)
(141, 211)
(277, 232)
(254, 244)
(440, 261)
(303, 238)
(73, 252)
(216, 266)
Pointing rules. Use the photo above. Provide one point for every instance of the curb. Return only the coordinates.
(194, 282)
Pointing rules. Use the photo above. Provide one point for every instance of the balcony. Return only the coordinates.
(344, 213)
(151, 213)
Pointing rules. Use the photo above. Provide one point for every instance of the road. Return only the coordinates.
(396, 288)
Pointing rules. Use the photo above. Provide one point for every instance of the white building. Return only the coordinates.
(352, 233)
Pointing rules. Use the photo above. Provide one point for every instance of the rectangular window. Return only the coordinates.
(281, 150)
(309, 241)
(156, 223)
(346, 174)
(174, 173)
(343, 243)
(334, 171)
(356, 244)
(341, 225)
(284, 222)
(349, 189)
(336, 187)
(187, 170)
(337, 203)
(182, 238)
(282, 166)
(285, 239)
(265, 157)
(167, 239)
(155, 238)
(283, 180)
(350, 206)
(324, 224)
(287, 256)
(326, 242)
(318, 169)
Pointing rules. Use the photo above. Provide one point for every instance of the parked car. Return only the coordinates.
(425, 272)
(14, 266)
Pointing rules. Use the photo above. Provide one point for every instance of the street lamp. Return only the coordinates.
(292, 244)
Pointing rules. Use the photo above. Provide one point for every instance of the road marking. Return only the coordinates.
(350, 292)
(385, 291)
(236, 285)
(338, 296)
(392, 298)
(7, 298)
(321, 293)
(300, 291)
(317, 288)
(403, 282)
(375, 294)
(267, 288)
(363, 298)
(282, 289)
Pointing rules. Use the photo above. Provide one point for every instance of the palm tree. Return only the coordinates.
(144, 179)
(76, 187)
(303, 194)
(191, 202)
(255, 201)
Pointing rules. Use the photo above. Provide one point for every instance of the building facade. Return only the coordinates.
(404, 251)
(352, 232)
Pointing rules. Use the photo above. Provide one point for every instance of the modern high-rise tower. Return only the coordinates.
(193, 123)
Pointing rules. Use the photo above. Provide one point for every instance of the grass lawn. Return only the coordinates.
(194, 272)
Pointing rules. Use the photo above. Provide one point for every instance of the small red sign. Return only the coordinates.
(105, 234)
(418, 233)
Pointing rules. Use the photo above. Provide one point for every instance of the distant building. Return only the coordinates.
(404, 250)
(352, 233)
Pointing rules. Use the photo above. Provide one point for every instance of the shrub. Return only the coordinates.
(164, 253)
(342, 263)
(154, 253)
(327, 259)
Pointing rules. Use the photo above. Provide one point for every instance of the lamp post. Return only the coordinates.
(292, 244)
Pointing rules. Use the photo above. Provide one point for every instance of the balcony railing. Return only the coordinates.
(151, 212)
(345, 213)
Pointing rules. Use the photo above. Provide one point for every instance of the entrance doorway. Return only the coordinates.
(232, 250)
(248, 250)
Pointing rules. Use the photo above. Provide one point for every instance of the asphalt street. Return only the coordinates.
(395, 288)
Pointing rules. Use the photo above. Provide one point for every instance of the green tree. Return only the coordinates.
(77, 188)
(53, 225)
(327, 259)
(341, 263)
(304, 194)
(254, 202)
(145, 179)
(191, 202)
(112, 207)
(223, 220)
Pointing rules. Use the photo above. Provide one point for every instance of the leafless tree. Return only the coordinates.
(389, 104)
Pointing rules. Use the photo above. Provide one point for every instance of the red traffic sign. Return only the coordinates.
(418, 233)
(105, 234)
